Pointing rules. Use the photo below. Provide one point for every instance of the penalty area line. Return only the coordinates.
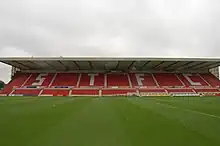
(188, 110)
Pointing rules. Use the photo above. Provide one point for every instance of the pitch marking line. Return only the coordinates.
(188, 110)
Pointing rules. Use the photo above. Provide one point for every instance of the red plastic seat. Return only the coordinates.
(116, 79)
(117, 91)
(142, 80)
(152, 90)
(56, 92)
(37, 79)
(211, 79)
(65, 79)
(179, 90)
(91, 92)
(167, 79)
(27, 92)
(198, 90)
(17, 81)
(192, 80)
(92, 80)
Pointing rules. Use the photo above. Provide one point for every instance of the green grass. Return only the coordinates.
(67, 121)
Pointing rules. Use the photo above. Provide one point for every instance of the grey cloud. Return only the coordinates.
(110, 28)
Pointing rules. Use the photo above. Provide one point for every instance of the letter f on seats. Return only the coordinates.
(139, 78)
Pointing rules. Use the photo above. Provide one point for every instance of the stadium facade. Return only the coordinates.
(111, 76)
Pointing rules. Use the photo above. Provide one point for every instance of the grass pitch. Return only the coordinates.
(112, 121)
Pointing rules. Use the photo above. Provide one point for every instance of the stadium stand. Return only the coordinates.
(25, 92)
(91, 80)
(117, 80)
(167, 79)
(180, 90)
(85, 92)
(143, 80)
(17, 81)
(86, 81)
(39, 79)
(55, 92)
(116, 92)
(192, 80)
(64, 79)
(211, 79)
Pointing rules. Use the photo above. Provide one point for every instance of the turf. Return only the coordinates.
(67, 121)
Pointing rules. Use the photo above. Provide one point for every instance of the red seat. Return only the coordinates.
(152, 90)
(27, 92)
(199, 90)
(117, 83)
(37, 79)
(91, 92)
(116, 79)
(56, 92)
(167, 79)
(118, 91)
(17, 81)
(218, 94)
(92, 80)
(65, 79)
(211, 79)
(142, 80)
(192, 80)
(179, 90)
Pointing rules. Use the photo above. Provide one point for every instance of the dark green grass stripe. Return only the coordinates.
(188, 110)
(22, 124)
(94, 125)
(147, 127)
(209, 127)
(212, 108)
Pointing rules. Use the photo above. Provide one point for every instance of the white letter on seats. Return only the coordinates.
(187, 76)
(139, 78)
(92, 79)
(39, 80)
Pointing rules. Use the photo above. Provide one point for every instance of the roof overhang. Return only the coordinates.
(111, 63)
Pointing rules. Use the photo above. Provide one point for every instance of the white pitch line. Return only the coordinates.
(188, 110)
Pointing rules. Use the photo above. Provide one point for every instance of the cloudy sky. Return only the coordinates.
(109, 28)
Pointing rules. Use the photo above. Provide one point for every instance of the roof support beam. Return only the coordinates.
(217, 65)
(144, 64)
(76, 65)
(90, 64)
(117, 65)
(22, 64)
(50, 65)
(105, 67)
(170, 65)
(158, 64)
(32, 62)
(182, 66)
(194, 65)
(131, 65)
(63, 65)
(209, 65)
